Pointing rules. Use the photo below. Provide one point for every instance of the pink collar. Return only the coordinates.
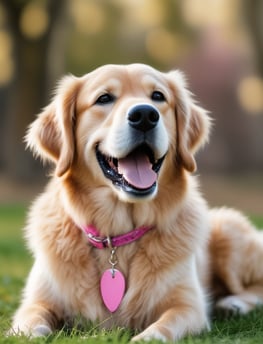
(119, 240)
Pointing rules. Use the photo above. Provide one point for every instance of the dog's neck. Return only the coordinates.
(97, 241)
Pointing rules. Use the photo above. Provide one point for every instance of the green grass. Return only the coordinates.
(15, 263)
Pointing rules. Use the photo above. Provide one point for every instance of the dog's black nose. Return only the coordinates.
(143, 117)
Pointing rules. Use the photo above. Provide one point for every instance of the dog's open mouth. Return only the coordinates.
(136, 173)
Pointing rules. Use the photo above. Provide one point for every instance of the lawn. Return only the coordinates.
(15, 263)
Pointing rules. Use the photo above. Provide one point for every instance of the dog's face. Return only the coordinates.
(124, 125)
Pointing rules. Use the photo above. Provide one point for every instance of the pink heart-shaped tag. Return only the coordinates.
(112, 288)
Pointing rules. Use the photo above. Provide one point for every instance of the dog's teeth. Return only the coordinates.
(113, 162)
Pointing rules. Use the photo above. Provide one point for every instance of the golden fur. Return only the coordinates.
(168, 270)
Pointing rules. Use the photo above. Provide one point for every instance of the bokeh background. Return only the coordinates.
(217, 43)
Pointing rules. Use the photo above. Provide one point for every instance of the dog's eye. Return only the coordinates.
(104, 99)
(158, 96)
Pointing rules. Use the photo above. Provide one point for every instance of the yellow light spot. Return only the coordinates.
(141, 15)
(34, 21)
(6, 61)
(250, 94)
(5, 43)
(88, 16)
(206, 12)
(161, 45)
(6, 70)
(148, 13)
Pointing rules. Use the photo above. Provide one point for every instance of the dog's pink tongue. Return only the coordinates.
(137, 170)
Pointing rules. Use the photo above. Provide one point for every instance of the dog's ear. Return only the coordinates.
(51, 135)
(192, 122)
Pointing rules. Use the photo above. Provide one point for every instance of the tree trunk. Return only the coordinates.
(253, 11)
(28, 90)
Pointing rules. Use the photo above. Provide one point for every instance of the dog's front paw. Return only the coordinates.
(151, 333)
(37, 331)
(41, 331)
(232, 305)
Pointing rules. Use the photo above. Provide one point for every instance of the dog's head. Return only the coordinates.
(122, 124)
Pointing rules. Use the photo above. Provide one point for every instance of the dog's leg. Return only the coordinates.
(183, 315)
(243, 302)
(236, 249)
(175, 324)
(33, 320)
(39, 312)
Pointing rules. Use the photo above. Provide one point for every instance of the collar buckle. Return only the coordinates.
(97, 241)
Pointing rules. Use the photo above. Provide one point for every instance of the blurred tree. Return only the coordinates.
(31, 25)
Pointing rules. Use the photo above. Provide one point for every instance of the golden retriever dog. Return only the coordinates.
(121, 235)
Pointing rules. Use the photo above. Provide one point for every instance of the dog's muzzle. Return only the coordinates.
(137, 172)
